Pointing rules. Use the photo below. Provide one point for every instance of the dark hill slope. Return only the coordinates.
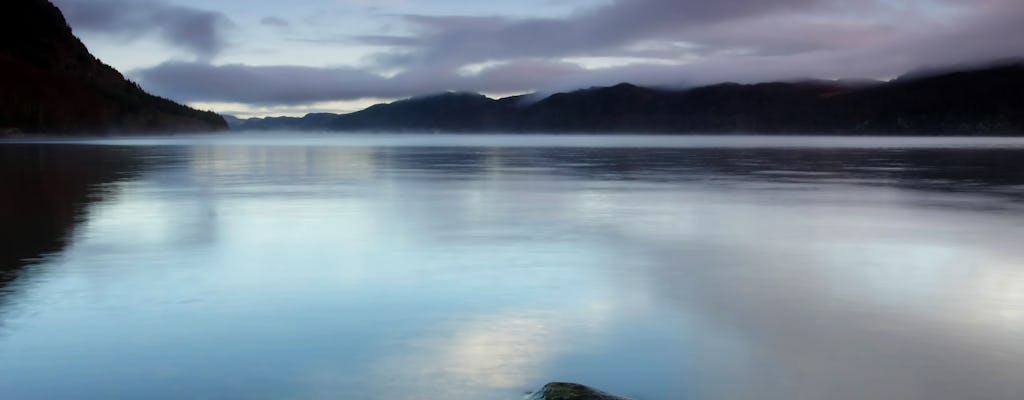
(984, 100)
(449, 112)
(722, 107)
(50, 83)
(987, 100)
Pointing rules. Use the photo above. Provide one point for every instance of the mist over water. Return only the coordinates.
(432, 267)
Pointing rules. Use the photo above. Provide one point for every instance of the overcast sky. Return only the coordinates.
(262, 57)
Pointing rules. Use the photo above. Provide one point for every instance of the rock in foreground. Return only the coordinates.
(571, 391)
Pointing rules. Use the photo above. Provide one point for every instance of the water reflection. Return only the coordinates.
(43, 192)
(378, 271)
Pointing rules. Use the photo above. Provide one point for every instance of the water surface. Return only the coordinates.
(432, 267)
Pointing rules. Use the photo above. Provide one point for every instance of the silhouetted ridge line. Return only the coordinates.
(52, 84)
(987, 100)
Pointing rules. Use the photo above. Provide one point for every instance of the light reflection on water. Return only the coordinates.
(343, 267)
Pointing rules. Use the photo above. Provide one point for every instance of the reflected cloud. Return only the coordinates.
(507, 352)
(846, 316)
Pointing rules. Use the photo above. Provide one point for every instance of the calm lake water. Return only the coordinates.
(481, 267)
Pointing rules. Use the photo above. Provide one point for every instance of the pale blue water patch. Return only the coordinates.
(482, 266)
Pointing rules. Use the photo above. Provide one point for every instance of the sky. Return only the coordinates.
(262, 58)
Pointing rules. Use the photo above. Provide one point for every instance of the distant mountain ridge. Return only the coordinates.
(50, 83)
(987, 100)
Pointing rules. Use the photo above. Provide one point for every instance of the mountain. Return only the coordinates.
(313, 121)
(987, 100)
(52, 84)
(449, 112)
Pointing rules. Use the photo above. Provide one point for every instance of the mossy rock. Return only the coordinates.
(571, 391)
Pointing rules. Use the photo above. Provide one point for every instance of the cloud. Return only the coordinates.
(688, 29)
(649, 42)
(197, 81)
(462, 39)
(384, 40)
(259, 84)
(274, 22)
(199, 32)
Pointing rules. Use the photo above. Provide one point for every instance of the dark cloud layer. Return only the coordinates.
(297, 85)
(672, 29)
(457, 40)
(652, 42)
(197, 31)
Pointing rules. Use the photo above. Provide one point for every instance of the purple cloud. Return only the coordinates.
(602, 30)
(649, 42)
(197, 31)
(197, 81)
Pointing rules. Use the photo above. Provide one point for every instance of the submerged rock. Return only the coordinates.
(571, 391)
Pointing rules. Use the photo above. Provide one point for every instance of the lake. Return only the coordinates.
(303, 266)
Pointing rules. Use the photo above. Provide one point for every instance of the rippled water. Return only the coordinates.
(481, 267)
